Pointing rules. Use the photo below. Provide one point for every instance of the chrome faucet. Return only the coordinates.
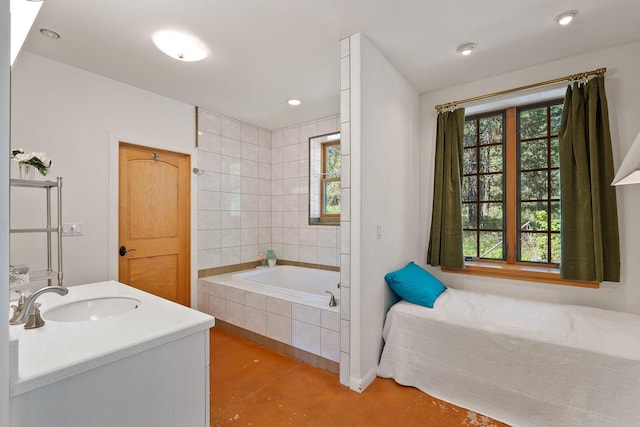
(28, 312)
(332, 301)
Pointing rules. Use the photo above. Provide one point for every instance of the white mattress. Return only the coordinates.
(521, 362)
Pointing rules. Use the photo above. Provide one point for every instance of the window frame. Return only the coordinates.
(509, 267)
(324, 217)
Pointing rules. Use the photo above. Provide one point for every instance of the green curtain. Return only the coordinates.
(589, 215)
(445, 240)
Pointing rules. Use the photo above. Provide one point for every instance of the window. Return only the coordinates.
(324, 179)
(511, 190)
(330, 181)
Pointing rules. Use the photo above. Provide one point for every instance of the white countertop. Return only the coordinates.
(59, 350)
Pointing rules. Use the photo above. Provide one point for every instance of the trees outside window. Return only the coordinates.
(511, 185)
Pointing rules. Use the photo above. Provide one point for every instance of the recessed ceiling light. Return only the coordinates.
(294, 101)
(466, 49)
(565, 18)
(180, 46)
(49, 33)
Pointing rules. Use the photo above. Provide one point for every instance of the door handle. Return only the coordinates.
(123, 250)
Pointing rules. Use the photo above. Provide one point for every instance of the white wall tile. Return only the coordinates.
(279, 328)
(231, 128)
(208, 200)
(305, 313)
(264, 171)
(291, 236)
(249, 219)
(344, 47)
(345, 237)
(345, 336)
(230, 201)
(345, 73)
(277, 154)
(279, 306)
(249, 236)
(250, 168)
(208, 121)
(345, 370)
(345, 174)
(230, 183)
(309, 236)
(291, 202)
(208, 258)
(327, 237)
(330, 319)
(264, 203)
(277, 138)
(309, 254)
(210, 162)
(264, 235)
(234, 313)
(308, 130)
(231, 147)
(345, 270)
(208, 220)
(249, 134)
(249, 185)
(345, 138)
(255, 320)
(328, 125)
(230, 219)
(291, 252)
(203, 302)
(250, 202)
(250, 151)
(249, 253)
(305, 336)
(291, 169)
(209, 142)
(277, 219)
(217, 307)
(230, 256)
(230, 238)
(209, 239)
(209, 181)
(277, 203)
(291, 136)
(345, 105)
(230, 165)
(330, 344)
(264, 138)
(291, 153)
(218, 290)
(264, 155)
(277, 172)
(328, 256)
(255, 300)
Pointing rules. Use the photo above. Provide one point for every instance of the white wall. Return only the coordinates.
(4, 214)
(384, 188)
(77, 117)
(623, 92)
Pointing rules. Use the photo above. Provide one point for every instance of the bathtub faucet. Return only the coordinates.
(332, 301)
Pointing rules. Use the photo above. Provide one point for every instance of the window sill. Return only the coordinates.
(528, 272)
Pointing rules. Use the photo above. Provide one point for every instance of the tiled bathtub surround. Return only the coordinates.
(234, 192)
(292, 235)
(254, 194)
(310, 328)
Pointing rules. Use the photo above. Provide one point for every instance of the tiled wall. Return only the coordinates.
(292, 236)
(254, 194)
(345, 217)
(308, 328)
(234, 192)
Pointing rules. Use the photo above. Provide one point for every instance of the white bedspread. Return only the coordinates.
(521, 362)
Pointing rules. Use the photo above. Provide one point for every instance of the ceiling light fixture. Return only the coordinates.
(294, 101)
(466, 49)
(49, 33)
(23, 13)
(180, 46)
(565, 18)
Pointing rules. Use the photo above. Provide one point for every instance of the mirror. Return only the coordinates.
(324, 179)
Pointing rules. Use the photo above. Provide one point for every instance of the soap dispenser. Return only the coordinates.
(271, 258)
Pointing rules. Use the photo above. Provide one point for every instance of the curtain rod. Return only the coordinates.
(598, 72)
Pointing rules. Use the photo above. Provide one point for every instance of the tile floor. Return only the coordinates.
(255, 386)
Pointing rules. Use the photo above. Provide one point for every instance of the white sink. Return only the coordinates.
(91, 309)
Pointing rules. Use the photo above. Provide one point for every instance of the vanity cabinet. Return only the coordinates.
(53, 231)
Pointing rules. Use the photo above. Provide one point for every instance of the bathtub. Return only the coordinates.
(284, 303)
(309, 284)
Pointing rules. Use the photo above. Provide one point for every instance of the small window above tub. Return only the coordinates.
(324, 179)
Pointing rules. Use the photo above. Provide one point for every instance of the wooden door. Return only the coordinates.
(154, 221)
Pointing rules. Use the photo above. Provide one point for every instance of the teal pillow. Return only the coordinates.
(415, 285)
